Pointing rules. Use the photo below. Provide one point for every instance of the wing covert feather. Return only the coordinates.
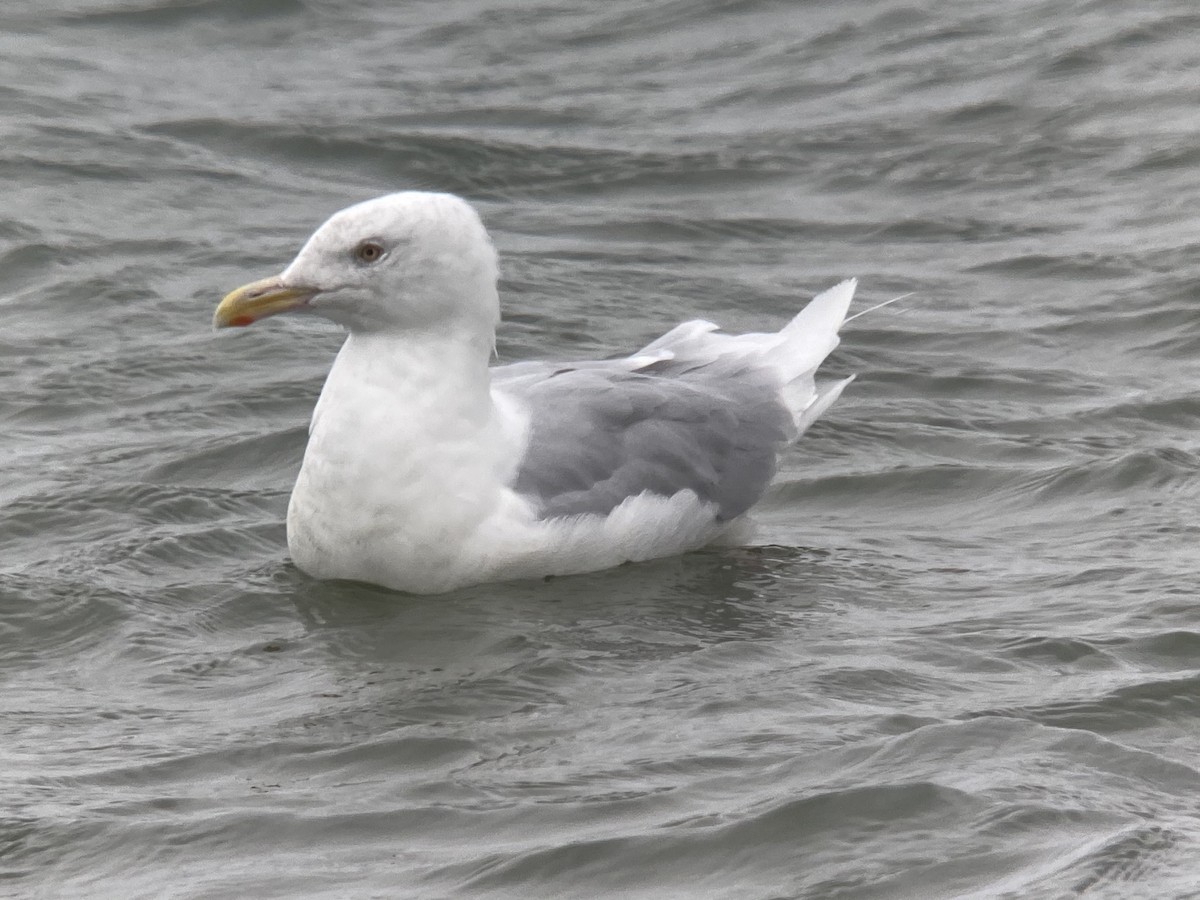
(601, 434)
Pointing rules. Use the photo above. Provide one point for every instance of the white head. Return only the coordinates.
(405, 262)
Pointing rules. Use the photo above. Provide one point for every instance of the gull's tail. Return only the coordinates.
(795, 352)
(806, 341)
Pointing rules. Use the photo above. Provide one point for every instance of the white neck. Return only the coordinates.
(412, 372)
(403, 457)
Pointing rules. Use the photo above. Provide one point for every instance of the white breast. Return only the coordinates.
(403, 466)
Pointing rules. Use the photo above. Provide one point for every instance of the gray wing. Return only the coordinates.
(600, 433)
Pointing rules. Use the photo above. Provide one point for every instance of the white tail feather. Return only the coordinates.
(806, 340)
(825, 396)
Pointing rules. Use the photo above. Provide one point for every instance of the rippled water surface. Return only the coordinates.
(966, 661)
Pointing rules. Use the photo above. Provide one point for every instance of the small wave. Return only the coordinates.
(479, 166)
(1136, 855)
(133, 14)
(1142, 705)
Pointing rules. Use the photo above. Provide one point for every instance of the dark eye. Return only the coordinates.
(368, 252)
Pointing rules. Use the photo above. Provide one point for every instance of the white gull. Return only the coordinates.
(427, 470)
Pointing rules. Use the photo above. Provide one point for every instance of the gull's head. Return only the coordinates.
(411, 261)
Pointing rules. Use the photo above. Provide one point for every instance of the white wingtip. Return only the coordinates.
(827, 310)
(813, 333)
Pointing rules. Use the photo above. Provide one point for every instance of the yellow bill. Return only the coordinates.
(257, 300)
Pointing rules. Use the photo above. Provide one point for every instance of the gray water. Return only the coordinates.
(965, 663)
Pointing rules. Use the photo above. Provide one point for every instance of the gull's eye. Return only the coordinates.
(368, 252)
